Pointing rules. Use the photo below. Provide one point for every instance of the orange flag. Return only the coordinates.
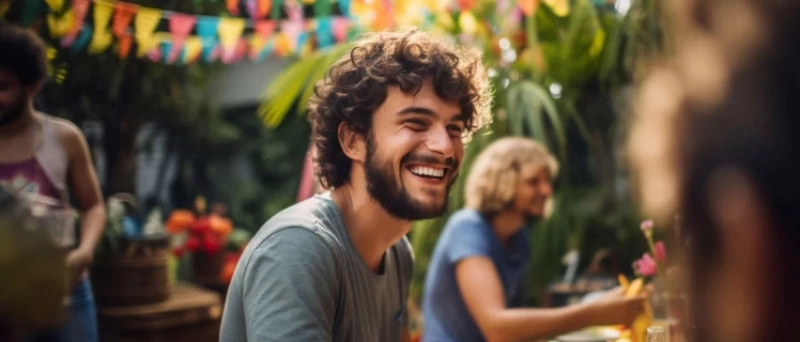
(123, 15)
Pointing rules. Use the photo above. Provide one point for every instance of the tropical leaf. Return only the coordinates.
(295, 84)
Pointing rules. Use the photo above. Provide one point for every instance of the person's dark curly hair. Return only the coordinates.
(356, 86)
(24, 54)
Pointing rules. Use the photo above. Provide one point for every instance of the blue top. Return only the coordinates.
(466, 234)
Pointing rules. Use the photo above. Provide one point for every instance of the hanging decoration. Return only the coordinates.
(101, 38)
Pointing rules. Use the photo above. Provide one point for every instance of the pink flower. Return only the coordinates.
(646, 266)
(647, 226)
(660, 252)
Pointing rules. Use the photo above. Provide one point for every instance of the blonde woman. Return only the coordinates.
(473, 289)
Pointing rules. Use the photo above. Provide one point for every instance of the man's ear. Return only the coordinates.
(353, 144)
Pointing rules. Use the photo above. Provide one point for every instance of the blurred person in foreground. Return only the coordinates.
(389, 123)
(717, 140)
(474, 289)
(33, 272)
(47, 160)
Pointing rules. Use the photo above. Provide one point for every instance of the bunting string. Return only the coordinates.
(100, 25)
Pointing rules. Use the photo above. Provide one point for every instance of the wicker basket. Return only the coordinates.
(138, 274)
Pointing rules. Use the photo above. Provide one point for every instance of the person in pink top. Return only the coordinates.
(46, 160)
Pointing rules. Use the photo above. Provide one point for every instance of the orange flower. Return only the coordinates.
(220, 226)
(179, 220)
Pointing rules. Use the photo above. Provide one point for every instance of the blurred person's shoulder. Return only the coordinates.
(70, 136)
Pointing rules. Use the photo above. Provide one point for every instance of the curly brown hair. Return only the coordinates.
(357, 84)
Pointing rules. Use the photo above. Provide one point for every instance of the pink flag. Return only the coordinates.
(180, 25)
(340, 27)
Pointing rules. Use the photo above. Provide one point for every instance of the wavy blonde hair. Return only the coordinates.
(495, 175)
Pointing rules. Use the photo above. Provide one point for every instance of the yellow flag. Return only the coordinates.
(145, 23)
(193, 46)
(101, 38)
(560, 7)
(60, 26)
(230, 30)
(55, 5)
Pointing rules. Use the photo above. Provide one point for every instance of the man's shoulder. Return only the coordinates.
(310, 218)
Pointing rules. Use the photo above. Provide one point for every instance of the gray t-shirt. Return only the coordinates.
(301, 279)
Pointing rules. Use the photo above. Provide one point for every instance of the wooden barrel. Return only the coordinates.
(137, 274)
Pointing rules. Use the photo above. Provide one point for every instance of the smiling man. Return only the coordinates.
(389, 122)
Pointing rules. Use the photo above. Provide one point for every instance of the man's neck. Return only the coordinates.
(371, 228)
(19, 125)
(506, 224)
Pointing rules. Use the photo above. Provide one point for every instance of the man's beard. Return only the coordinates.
(383, 186)
(12, 113)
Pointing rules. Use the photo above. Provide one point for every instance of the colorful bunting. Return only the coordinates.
(60, 25)
(146, 21)
(79, 10)
(192, 48)
(233, 6)
(125, 44)
(180, 25)
(83, 38)
(207, 30)
(55, 5)
(101, 38)
(123, 14)
(230, 31)
(324, 32)
(125, 24)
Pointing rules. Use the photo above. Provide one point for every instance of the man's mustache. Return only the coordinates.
(449, 162)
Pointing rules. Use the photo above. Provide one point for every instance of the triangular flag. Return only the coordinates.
(528, 7)
(256, 44)
(101, 38)
(233, 6)
(125, 44)
(340, 28)
(252, 8)
(60, 26)
(263, 52)
(291, 30)
(344, 7)
(79, 10)
(83, 39)
(264, 28)
(263, 7)
(180, 25)
(229, 31)
(123, 15)
(166, 49)
(207, 30)
(146, 21)
(55, 5)
(193, 47)
(466, 5)
(324, 32)
(294, 12)
(281, 44)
